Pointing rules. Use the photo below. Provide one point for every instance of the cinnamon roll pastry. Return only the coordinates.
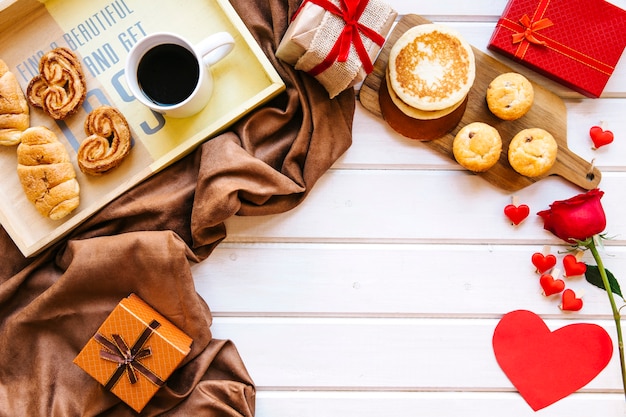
(59, 88)
(14, 113)
(46, 173)
(108, 143)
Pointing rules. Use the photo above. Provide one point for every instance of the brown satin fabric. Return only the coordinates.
(145, 241)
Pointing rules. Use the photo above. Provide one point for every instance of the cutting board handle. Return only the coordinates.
(576, 170)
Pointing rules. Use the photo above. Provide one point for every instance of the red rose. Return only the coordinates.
(577, 218)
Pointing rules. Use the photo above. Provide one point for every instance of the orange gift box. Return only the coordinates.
(134, 351)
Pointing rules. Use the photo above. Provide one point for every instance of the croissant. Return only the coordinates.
(60, 87)
(14, 113)
(46, 173)
(108, 142)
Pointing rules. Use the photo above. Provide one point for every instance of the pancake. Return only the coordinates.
(431, 67)
(416, 113)
(419, 129)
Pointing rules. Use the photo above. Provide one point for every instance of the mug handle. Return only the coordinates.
(215, 47)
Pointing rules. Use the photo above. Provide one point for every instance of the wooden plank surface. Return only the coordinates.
(378, 295)
(419, 206)
(385, 280)
(380, 354)
(436, 404)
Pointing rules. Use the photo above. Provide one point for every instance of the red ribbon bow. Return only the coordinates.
(525, 33)
(350, 12)
(128, 359)
(530, 28)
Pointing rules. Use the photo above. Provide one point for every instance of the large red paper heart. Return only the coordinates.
(572, 267)
(600, 137)
(516, 214)
(546, 366)
(543, 262)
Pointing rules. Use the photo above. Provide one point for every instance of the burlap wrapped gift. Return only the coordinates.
(336, 41)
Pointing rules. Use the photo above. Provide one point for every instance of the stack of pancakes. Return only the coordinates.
(430, 72)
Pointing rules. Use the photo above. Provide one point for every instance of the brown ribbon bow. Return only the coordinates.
(128, 359)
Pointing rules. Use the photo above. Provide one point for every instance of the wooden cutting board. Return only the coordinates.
(548, 112)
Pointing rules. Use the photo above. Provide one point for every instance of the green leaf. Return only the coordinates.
(593, 277)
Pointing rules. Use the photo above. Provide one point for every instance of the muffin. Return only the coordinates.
(532, 152)
(477, 146)
(430, 72)
(510, 96)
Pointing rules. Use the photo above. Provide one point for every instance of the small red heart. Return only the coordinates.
(516, 214)
(550, 285)
(600, 137)
(569, 301)
(572, 267)
(543, 262)
(546, 366)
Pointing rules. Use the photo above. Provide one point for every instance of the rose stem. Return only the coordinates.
(616, 315)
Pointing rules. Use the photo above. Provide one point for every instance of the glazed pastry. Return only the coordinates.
(46, 173)
(108, 142)
(14, 113)
(477, 146)
(510, 96)
(59, 88)
(532, 152)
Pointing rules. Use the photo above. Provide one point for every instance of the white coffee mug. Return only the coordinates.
(171, 76)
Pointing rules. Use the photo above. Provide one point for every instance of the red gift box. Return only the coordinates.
(577, 43)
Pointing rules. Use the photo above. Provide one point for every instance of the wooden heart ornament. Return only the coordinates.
(546, 366)
(573, 267)
(600, 137)
(515, 213)
(569, 301)
(550, 285)
(543, 262)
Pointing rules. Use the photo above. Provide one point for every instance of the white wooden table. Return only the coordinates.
(378, 296)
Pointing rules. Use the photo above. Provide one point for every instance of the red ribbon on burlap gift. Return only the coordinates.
(350, 11)
(527, 33)
(128, 359)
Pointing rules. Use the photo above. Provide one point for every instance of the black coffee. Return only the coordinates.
(168, 74)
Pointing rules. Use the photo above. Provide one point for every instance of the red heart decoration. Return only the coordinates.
(543, 262)
(600, 137)
(516, 214)
(572, 267)
(570, 302)
(550, 285)
(546, 366)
